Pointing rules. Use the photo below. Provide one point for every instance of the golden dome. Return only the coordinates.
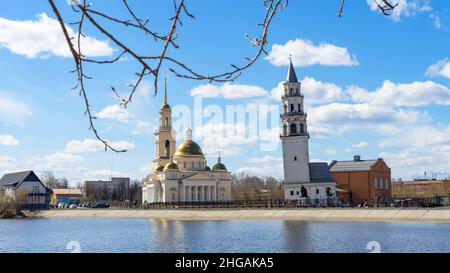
(171, 166)
(219, 167)
(188, 147)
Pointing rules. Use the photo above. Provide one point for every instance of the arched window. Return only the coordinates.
(293, 128)
(302, 128)
(167, 148)
(299, 107)
(292, 108)
(166, 122)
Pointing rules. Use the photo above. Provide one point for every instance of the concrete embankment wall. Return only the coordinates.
(234, 214)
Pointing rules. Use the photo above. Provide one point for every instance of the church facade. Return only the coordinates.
(181, 174)
(302, 178)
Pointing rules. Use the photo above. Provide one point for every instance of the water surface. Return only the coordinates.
(159, 235)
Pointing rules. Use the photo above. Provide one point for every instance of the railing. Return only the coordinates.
(280, 203)
(293, 113)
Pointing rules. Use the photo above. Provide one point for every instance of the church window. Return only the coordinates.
(298, 193)
(317, 191)
(295, 158)
(167, 148)
(293, 128)
(302, 128)
(292, 108)
(292, 192)
(381, 183)
(375, 183)
(166, 122)
(299, 107)
(290, 92)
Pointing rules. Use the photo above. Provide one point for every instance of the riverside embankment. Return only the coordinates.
(234, 214)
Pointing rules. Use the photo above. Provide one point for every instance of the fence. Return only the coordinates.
(279, 203)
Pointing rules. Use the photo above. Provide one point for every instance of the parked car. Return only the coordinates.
(102, 205)
(73, 206)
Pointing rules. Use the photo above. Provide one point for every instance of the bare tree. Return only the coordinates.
(150, 65)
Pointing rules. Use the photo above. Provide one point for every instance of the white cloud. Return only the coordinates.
(305, 53)
(230, 139)
(228, 91)
(315, 91)
(441, 68)
(62, 158)
(437, 23)
(8, 140)
(275, 170)
(116, 113)
(405, 8)
(93, 145)
(44, 36)
(403, 94)
(362, 144)
(12, 110)
(359, 114)
(265, 159)
(7, 161)
(330, 151)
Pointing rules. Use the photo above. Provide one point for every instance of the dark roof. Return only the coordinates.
(291, 77)
(319, 172)
(352, 165)
(13, 179)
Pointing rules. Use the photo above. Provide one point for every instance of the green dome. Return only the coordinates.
(219, 167)
(188, 147)
(171, 166)
(207, 168)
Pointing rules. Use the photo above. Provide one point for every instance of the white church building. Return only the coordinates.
(302, 179)
(182, 174)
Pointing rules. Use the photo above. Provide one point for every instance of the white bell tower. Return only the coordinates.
(165, 143)
(294, 135)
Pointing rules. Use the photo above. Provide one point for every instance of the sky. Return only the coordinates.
(373, 85)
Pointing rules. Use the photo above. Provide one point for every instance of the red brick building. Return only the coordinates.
(359, 179)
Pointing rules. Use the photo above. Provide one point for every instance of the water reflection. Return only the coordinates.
(161, 235)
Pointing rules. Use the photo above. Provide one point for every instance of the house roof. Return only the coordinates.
(67, 191)
(352, 165)
(13, 179)
(319, 172)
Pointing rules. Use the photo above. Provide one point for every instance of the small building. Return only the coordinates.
(357, 179)
(72, 196)
(27, 189)
(421, 188)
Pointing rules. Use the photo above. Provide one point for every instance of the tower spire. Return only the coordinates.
(291, 77)
(165, 104)
(165, 90)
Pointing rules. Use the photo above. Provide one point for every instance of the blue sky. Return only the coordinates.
(374, 85)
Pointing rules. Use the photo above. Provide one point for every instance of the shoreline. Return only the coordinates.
(315, 214)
